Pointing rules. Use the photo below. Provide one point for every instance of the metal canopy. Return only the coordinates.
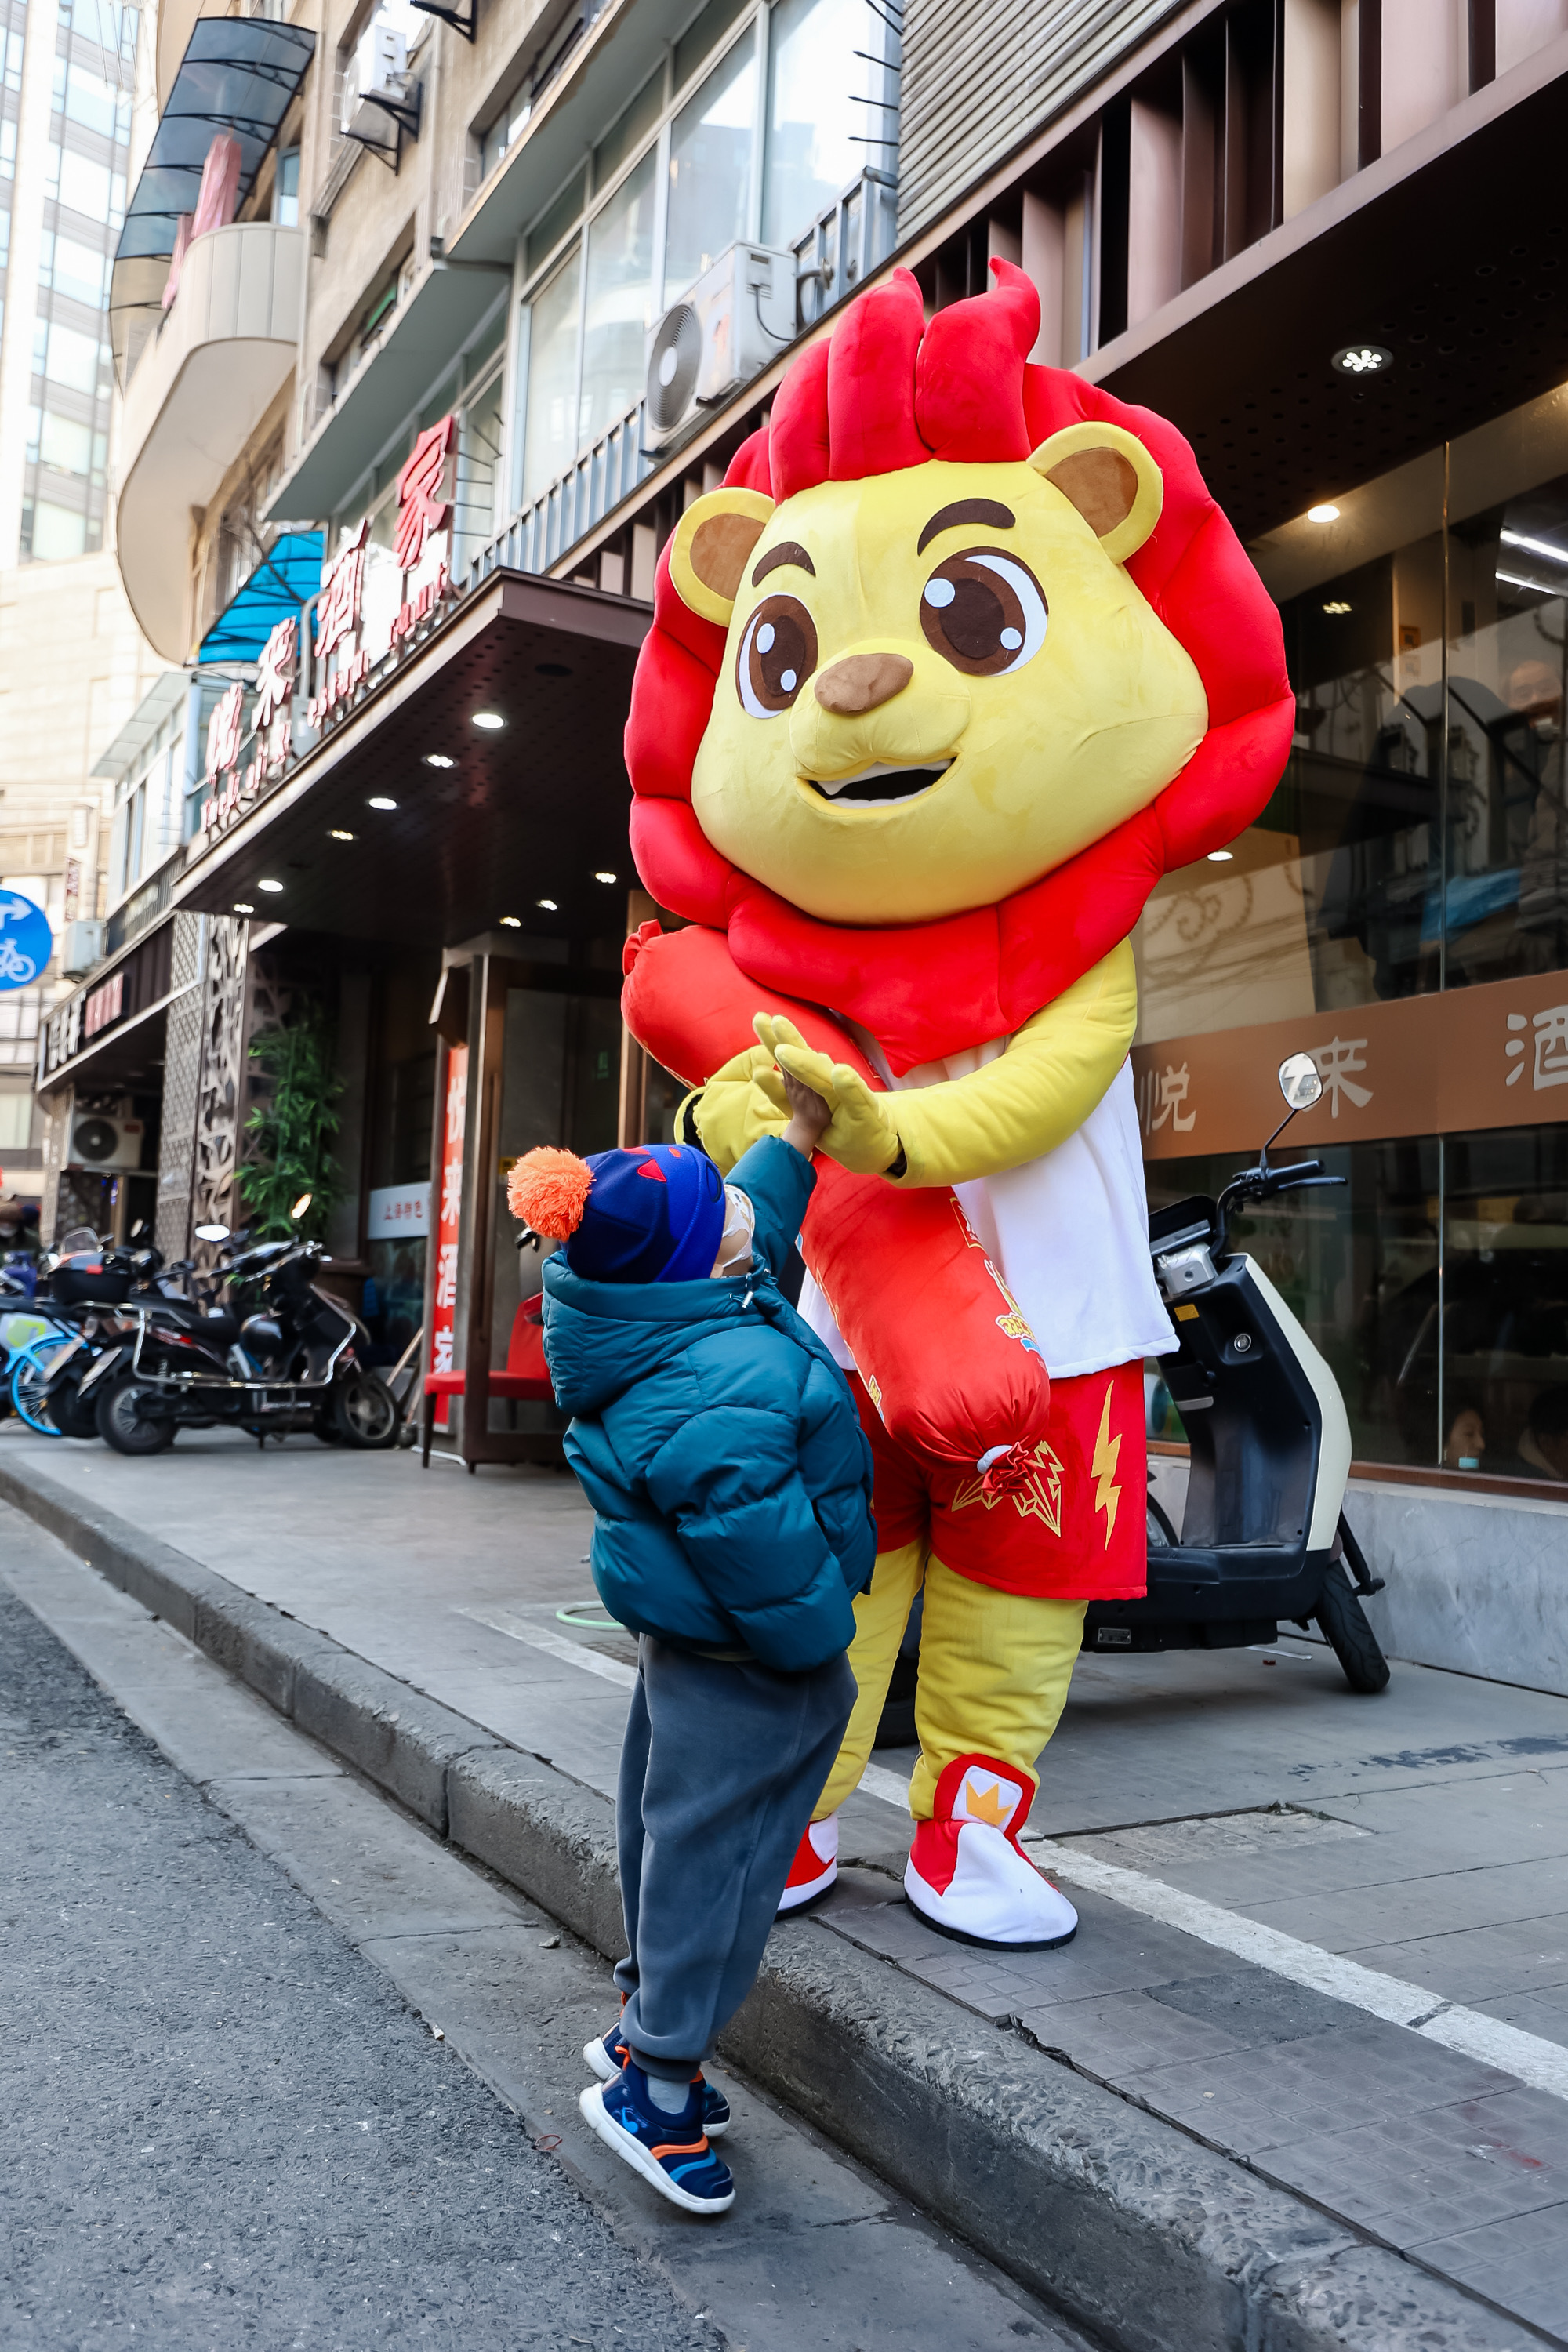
(288, 575)
(239, 74)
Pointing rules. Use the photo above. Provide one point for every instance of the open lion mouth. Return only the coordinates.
(875, 786)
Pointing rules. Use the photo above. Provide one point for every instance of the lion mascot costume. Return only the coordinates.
(960, 659)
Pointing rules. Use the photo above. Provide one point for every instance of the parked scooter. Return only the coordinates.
(1264, 1535)
(292, 1358)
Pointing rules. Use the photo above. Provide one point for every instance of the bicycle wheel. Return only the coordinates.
(30, 1374)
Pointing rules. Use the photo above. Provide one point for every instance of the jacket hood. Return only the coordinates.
(602, 1336)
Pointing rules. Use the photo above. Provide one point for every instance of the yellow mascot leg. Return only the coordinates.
(995, 1670)
(881, 1613)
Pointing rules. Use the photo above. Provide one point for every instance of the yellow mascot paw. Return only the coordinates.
(861, 1135)
(743, 1100)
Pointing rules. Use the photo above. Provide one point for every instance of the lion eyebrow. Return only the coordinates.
(788, 550)
(1000, 518)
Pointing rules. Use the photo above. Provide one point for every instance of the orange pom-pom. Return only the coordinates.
(549, 1191)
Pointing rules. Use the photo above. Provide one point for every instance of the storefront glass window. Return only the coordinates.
(619, 301)
(710, 144)
(550, 440)
(477, 486)
(1401, 907)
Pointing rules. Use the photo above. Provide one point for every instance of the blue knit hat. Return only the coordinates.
(652, 1213)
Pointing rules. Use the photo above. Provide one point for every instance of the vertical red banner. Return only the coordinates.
(449, 1222)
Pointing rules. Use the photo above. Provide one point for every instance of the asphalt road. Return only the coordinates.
(219, 2124)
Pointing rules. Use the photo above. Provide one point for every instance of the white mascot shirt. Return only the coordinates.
(1069, 1233)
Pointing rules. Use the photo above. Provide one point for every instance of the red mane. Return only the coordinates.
(884, 391)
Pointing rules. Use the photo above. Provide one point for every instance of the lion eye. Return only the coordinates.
(778, 654)
(984, 612)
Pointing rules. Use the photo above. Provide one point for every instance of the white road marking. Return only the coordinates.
(888, 1786)
(1541, 2064)
(557, 1645)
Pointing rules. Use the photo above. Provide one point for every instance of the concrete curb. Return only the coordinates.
(1152, 2240)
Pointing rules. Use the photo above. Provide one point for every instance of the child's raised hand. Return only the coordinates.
(809, 1115)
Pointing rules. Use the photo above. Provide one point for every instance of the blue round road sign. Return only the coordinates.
(26, 942)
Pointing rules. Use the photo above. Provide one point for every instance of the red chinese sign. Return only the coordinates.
(425, 492)
(342, 590)
(449, 1222)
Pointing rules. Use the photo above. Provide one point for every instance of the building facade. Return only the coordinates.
(73, 664)
(450, 329)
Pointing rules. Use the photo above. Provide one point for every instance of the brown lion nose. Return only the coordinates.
(862, 682)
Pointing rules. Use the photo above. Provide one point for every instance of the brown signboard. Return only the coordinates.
(1495, 1056)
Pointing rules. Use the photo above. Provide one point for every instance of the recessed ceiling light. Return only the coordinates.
(1325, 513)
(336, 833)
(549, 906)
(1336, 605)
(489, 720)
(511, 922)
(270, 886)
(440, 760)
(1221, 856)
(381, 801)
(606, 877)
(1364, 359)
(243, 907)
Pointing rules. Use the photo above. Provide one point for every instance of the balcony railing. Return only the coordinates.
(608, 470)
(838, 252)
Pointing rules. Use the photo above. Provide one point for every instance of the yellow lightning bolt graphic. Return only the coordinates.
(1107, 1450)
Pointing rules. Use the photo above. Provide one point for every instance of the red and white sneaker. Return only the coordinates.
(967, 1875)
(815, 1867)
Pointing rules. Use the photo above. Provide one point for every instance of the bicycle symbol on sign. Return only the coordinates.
(14, 966)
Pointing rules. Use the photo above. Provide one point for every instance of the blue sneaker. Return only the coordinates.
(671, 2152)
(608, 2053)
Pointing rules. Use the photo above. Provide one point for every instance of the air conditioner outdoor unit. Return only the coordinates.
(738, 315)
(99, 1140)
(376, 84)
(81, 946)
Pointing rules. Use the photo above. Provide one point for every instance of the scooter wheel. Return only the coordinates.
(1342, 1622)
(365, 1411)
(122, 1423)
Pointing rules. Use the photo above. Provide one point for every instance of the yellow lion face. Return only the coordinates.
(938, 684)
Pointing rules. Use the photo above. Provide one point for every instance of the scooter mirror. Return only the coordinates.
(1299, 1082)
(212, 1233)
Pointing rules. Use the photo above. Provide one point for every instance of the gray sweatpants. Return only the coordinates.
(720, 1767)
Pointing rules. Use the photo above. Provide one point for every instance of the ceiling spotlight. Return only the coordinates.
(1325, 513)
(549, 906)
(1221, 856)
(440, 760)
(270, 886)
(489, 720)
(511, 922)
(1364, 359)
(336, 833)
(1336, 605)
(243, 907)
(381, 801)
(606, 877)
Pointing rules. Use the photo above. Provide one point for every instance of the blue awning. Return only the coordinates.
(239, 74)
(289, 573)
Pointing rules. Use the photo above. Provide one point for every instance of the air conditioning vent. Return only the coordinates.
(100, 1142)
(673, 360)
(740, 314)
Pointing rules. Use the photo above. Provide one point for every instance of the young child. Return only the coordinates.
(720, 1446)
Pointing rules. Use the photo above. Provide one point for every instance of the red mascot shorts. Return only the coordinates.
(1076, 1531)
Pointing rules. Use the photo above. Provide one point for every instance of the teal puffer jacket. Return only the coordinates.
(718, 1444)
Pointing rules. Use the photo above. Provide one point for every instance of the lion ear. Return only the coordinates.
(1109, 477)
(708, 551)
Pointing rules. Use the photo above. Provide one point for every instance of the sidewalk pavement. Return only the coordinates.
(1324, 1938)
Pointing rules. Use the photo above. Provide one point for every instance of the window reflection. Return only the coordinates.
(619, 302)
(550, 440)
(711, 144)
